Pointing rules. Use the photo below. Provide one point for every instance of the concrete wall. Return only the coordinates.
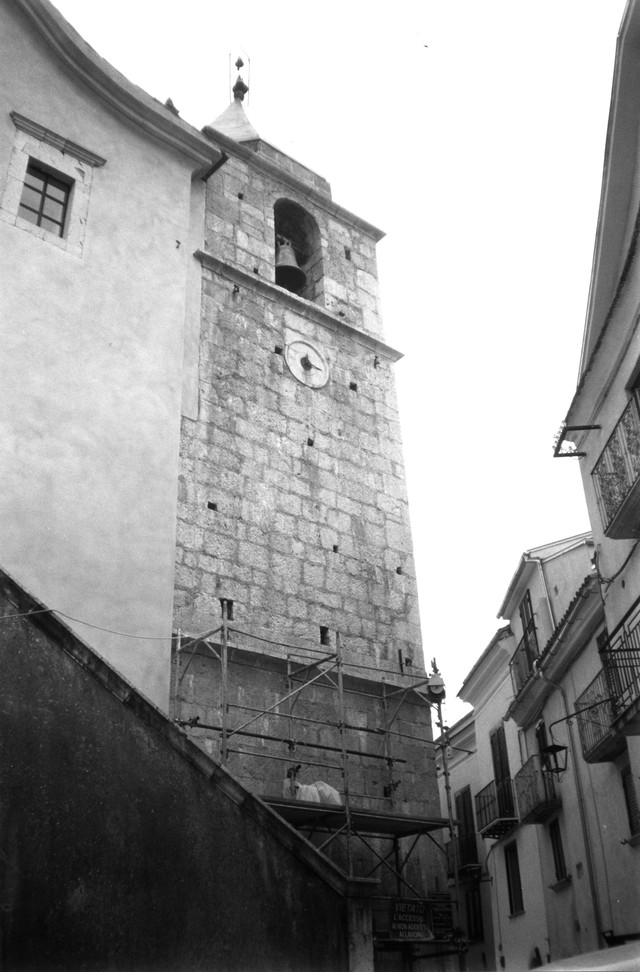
(92, 339)
(124, 847)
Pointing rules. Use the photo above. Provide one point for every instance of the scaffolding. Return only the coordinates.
(352, 820)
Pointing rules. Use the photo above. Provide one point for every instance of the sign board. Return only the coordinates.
(410, 920)
(441, 915)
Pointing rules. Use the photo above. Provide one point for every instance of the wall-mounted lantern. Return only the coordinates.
(555, 759)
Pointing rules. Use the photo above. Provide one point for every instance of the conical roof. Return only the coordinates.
(233, 122)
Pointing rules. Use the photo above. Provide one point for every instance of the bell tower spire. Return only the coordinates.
(240, 88)
(233, 120)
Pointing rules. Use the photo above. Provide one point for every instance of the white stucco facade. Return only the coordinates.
(93, 340)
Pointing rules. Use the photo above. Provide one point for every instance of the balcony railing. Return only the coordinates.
(463, 851)
(609, 708)
(595, 714)
(621, 660)
(496, 809)
(535, 792)
(617, 475)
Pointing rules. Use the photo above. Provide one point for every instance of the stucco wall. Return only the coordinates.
(124, 847)
(92, 340)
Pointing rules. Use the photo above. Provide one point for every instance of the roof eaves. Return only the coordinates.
(116, 90)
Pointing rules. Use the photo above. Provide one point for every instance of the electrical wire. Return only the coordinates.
(89, 624)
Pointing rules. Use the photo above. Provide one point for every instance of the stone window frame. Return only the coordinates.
(43, 147)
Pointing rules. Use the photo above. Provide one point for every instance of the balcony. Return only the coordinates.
(616, 476)
(535, 792)
(609, 708)
(524, 656)
(496, 809)
(463, 852)
(599, 742)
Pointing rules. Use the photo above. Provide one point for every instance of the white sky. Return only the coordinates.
(480, 155)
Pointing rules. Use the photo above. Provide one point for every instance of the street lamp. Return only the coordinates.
(555, 758)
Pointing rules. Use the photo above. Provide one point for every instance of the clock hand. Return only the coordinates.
(307, 364)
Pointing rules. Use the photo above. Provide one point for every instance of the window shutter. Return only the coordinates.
(499, 755)
(464, 812)
(631, 800)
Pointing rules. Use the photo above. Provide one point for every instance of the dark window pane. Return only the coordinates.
(44, 200)
(558, 851)
(34, 178)
(57, 190)
(30, 198)
(514, 885)
(53, 209)
(29, 215)
(50, 225)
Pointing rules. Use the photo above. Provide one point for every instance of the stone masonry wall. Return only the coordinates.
(292, 502)
(240, 230)
(271, 742)
(310, 525)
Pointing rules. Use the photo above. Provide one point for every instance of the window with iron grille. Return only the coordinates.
(558, 851)
(631, 801)
(44, 199)
(514, 884)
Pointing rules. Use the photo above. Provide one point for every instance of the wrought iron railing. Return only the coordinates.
(598, 712)
(621, 659)
(524, 657)
(462, 852)
(535, 790)
(495, 802)
(618, 468)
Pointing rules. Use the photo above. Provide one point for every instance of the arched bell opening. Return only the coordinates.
(298, 252)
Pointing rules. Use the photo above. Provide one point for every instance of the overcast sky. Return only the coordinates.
(473, 134)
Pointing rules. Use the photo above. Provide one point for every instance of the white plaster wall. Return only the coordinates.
(90, 375)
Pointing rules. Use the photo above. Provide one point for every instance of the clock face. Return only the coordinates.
(307, 364)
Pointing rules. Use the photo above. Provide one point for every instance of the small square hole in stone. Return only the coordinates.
(228, 603)
(212, 506)
(335, 548)
(398, 570)
(325, 638)
(353, 385)
(310, 441)
(278, 349)
(347, 253)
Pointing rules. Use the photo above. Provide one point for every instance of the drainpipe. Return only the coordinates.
(583, 815)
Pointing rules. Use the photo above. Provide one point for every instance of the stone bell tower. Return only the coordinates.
(293, 510)
(293, 500)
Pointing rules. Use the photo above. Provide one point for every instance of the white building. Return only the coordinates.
(562, 867)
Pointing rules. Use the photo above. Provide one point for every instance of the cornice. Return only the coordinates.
(233, 148)
(319, 315)
(64, 145)
(114, 89)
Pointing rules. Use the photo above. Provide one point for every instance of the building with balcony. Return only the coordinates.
(579, 809)
(553, 833)
(601, 431)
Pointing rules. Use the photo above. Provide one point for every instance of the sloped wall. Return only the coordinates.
(123, 847)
